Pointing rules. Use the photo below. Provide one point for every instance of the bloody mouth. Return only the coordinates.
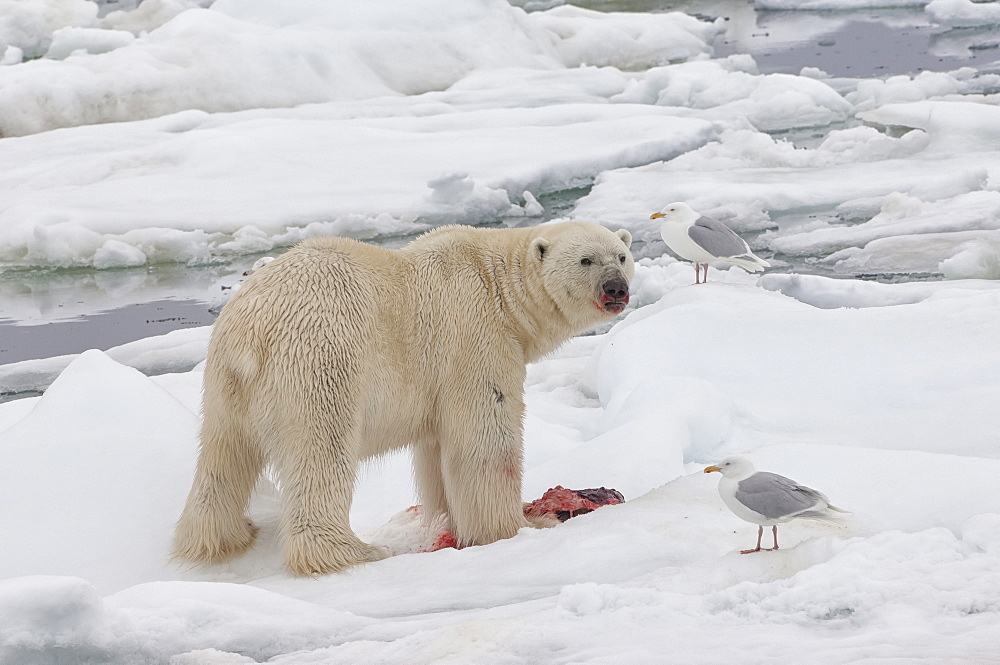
(613, 306)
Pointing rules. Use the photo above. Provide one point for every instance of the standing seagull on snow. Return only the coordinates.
(768, 499)
(701, 239)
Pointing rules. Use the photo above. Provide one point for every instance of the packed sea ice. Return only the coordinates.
(176, 131)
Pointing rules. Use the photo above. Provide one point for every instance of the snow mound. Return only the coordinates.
(28, 26)
(963, 13)
(255, 54)
(837, 5)
(124, 481)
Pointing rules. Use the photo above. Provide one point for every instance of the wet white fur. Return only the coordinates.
(338, 350)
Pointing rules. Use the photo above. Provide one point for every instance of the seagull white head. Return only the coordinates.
(676, 212)
(734, 466)
(258, 264)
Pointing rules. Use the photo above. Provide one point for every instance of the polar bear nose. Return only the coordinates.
(616, 288)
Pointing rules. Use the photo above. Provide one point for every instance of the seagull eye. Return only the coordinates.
(585, 262)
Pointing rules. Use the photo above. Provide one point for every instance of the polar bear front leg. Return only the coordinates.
(317, 481)
(482, 455)
(429, 477)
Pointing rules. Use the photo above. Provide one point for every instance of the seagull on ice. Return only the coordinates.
(257, 265)
(229, 291)
(768, 499)
(701, 239)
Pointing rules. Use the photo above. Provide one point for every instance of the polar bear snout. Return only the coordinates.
(614, 295)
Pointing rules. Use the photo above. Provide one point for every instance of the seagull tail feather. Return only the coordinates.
(824, 515)
(750, 262)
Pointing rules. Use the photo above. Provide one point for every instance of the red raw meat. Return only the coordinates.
(557, 502)
(564, 504)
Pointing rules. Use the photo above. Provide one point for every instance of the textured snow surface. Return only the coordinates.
(832, 396)
(184, 133)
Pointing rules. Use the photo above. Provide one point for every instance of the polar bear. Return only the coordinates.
(338, 351)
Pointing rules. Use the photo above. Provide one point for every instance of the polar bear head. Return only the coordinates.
(585, 269)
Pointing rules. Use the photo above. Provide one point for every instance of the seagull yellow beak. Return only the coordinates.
(656, 215)
(710, 469)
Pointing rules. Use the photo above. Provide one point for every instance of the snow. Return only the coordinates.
(938, 182)
(839, 5)
(963, 13)
(67, 41)
(28, 26)
(181, 133)
(258, 54)
(107, 195)
(731, 87)
(828, 396)
(152, 436)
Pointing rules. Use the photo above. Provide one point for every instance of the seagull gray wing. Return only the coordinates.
(775, 496)
(716, 238)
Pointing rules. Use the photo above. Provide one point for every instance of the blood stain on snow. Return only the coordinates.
(444, 541)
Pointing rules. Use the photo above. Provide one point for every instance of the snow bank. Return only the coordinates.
(586, 37)
(830, 397)
(873, 93)
(70, 41)
(148, 623)
(730, 88)
(255, 54)
(963, 13)
(903, 215)
(928, 198)
(830, 293)
(28, 25)
(191, 187)
(689, 362)
(148, 15)
(131, 464)
(840, 5)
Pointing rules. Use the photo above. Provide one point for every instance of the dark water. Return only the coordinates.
(871, 48)
(47, 313)
(101, 330)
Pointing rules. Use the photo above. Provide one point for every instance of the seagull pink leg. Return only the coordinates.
(774, 530)
(760, 534)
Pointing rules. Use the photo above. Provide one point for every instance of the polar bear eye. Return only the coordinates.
(585, 262)
(621, 259)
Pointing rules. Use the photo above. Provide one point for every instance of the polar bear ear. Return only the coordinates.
(539, 246)
(625, 236)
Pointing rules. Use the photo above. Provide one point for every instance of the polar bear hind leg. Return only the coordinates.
(317, 469)
(214, 526)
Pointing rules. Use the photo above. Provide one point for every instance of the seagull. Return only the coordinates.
(229, 291)
(701, 239)
(257, 265)
(768, 499)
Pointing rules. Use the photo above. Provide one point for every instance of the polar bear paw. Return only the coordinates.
(542, 521)
(309, 554)
(206, 541)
